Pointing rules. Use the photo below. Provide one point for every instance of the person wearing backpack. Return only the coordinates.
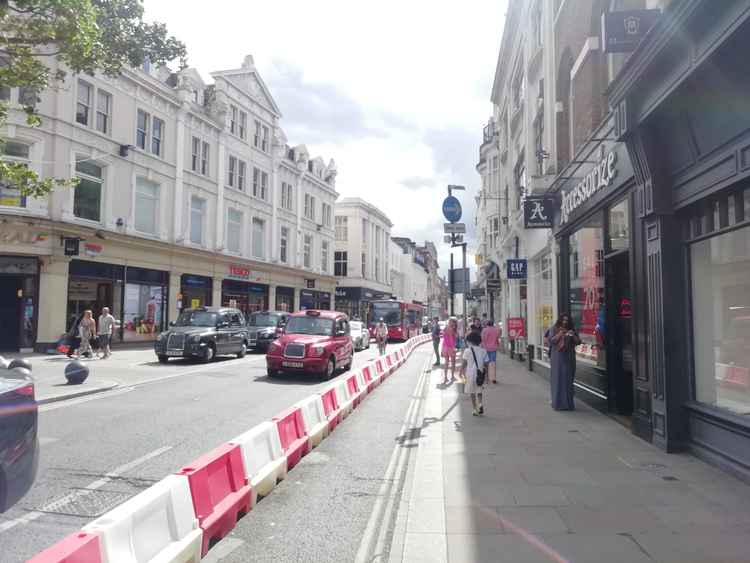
(474, 371)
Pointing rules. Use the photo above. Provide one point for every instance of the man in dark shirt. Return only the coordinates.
(436, 340)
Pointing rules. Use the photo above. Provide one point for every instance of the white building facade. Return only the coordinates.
(409, 274)
(361, 256)
(189, 195)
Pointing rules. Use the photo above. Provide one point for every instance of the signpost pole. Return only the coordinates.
(466, 285)
(450, 281)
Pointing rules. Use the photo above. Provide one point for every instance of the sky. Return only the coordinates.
(396, 92)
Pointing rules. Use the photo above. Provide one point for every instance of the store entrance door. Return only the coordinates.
(618, 333)
(10, 313)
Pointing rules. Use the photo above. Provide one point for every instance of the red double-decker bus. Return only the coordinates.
(404, 319)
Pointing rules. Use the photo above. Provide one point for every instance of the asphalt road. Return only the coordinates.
(97, 451)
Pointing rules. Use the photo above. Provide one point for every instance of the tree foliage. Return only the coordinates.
(86, 36)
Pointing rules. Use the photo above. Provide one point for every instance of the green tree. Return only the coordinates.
(86, 36)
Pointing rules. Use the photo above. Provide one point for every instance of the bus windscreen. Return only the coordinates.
(389, 312)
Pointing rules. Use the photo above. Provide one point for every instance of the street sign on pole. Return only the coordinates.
(461, 280)
(453, 228)
(451, 209)
(494, 284)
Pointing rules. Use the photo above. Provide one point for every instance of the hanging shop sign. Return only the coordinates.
(516, 327)
(310, 283)
(538, 212)
(92, 249)
(238, 272)
(517, 268)
(70, 246)
(601, 176)
(622, 31)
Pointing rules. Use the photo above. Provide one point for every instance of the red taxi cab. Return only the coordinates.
(313, 342)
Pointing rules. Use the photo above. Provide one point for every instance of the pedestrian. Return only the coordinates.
(562, 339)
(476, 326)
(71, 338)
(474, 371)
(460, 333)
(381, 335)
(490, 343)
(449, 350)
(87, 331)
(435, 331)
(106, 328)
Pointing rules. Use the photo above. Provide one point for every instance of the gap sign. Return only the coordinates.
(452, 209)
(516, 269)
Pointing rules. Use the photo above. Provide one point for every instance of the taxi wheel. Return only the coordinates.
(273, 372)
(330, 368)
(163, 359)
(209, 354)
(243, 350)
(348, 366)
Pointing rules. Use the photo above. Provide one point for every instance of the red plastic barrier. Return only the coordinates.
(371, 383)
(389, 362)
(292, 433)
(80, 547)
(380, 369)
(331, 408)
(220, 491)
(353, 387)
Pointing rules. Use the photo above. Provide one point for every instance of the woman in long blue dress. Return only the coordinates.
(563, 339)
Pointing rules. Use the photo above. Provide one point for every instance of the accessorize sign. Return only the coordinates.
(601, 176)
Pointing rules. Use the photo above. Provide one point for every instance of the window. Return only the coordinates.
(232, 173)
(519, 173)
(197, 217)
(10, 196)
(377, 269)
(141, 131)
(157, 136)
(264, 141)
(365, 229)
(309, 207)
(256, 181)
(233, 111)
(196, 154)
(83, 106)
(263, 185)
(284, 245)
(146, 206)
(342, 228)
(720, 275)
(103, 111)
(286, 196)
(324, 256)
(307, 255)
(327, 215)
(87, 196)
(340, 263)
(256, 137)
(234, 230)
(364, 265)
(259, 242)
(243, 125)
(204, 158)
(543, 289)
(518, 87)
(241, 174)
(495, 232)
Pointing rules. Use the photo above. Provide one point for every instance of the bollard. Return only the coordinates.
(76, 372)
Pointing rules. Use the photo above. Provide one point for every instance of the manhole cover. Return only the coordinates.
(87, 503)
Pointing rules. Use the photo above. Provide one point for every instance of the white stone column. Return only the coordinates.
(178, 221)
(221, 170)
(216, 291)
(271, 297)
(53, 299)
(174, 289)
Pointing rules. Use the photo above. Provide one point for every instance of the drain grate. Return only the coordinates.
(87, 503)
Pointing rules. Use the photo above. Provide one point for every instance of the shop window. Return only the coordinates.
(619, 226)
(197, 219)
(720, 272)
(234, 231)
(259, 242)
(12, 151)
(144, 311)
(87, 196)
(543, 289)
(586, 301)
(146, 206)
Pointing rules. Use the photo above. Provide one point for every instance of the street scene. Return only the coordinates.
(400, 283)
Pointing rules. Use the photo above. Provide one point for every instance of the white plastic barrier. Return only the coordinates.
(157, 525)
(265, 462)
(361, 382)
(314, 417)
(344, 398)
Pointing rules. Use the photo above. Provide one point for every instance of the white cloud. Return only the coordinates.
(396, 92)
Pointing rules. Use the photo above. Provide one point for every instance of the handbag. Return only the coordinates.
(481, 373)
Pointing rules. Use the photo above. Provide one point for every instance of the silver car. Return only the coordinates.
(360, 335)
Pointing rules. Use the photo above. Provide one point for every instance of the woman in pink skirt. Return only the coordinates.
(449, 349)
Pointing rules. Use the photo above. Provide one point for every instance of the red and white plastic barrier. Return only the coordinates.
(176, 519)
(314, 418)
(158, 524)
(263, 458)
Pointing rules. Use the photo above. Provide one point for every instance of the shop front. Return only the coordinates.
(136, 297)
(355, 301)
(313, 299)
(195, 291)
(19, 282)
(284, 298)
(683, 107)
(595, 275)
(246, 296)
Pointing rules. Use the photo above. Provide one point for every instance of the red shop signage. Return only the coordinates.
(516, 327)
(239, 272)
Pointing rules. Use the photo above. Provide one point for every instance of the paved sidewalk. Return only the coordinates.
(524, 484)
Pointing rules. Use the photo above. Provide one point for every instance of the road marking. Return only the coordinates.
(99, 483)
(86, 399)
(374, 538)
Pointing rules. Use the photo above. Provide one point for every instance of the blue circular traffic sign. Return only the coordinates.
(452, 209)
